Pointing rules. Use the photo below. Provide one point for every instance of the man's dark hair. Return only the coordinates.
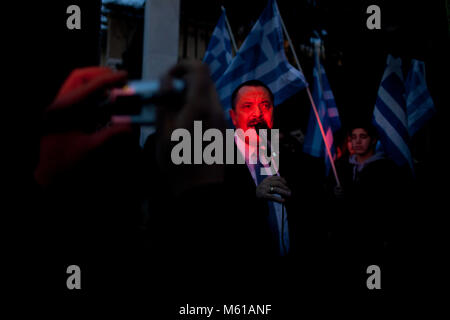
(368, 127)
(249, 83)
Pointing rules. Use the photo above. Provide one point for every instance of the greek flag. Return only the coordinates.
(389, 115)
(218, 54)
(419, 104)
(327, 110)
(261, 57)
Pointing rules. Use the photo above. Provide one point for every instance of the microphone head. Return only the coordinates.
(261, 125)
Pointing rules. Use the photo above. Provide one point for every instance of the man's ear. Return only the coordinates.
(233, 116)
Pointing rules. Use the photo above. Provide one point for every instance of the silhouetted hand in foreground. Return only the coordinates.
(64, 148)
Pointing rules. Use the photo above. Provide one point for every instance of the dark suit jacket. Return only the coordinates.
(306, 226)
(228, 221)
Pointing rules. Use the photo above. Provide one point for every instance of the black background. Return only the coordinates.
(41, 52)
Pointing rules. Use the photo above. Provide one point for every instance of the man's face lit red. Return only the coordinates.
(253, 107)
(362, 143)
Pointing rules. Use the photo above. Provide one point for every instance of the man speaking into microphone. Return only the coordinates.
(266, 194)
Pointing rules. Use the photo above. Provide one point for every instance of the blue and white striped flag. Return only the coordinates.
(389, 115)
(328, 114)
(261, 57)
(419, 104)
(218, 55)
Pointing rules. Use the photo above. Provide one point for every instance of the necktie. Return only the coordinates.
(277, 216)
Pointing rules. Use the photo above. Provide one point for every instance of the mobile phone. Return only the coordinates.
(135, 103)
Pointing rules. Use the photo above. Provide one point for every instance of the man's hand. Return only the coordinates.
(271, 186)
(60, 151)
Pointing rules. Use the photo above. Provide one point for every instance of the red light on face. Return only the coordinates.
(254, 107)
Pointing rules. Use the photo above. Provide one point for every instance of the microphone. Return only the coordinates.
(264, 141)
(262, 125)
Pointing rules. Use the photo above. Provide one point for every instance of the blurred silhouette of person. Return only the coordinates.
(93, 178)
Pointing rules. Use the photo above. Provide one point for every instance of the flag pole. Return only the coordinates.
(316, 113)
(229, 30)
